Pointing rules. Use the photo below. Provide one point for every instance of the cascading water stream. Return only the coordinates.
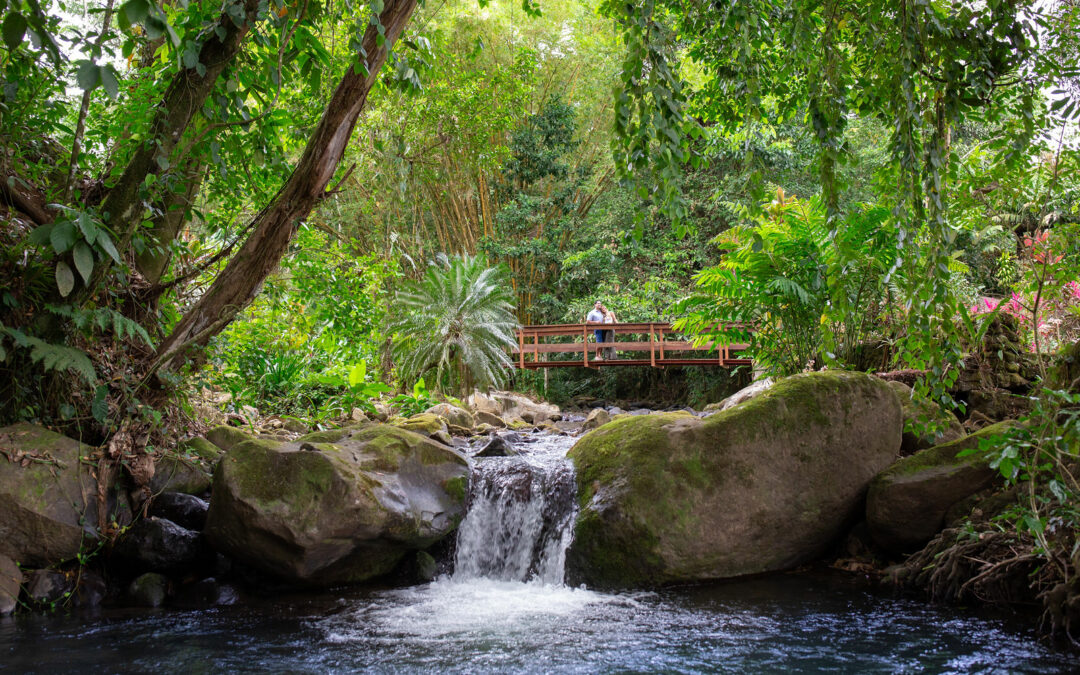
(520, 515)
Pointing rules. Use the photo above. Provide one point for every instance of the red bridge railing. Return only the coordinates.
(663, 346)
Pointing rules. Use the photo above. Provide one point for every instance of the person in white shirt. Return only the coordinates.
(597, 315)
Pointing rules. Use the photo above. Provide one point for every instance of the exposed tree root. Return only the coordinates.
(1000, 568)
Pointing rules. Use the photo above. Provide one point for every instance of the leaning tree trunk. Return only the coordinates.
(274, 227)
(181, 102)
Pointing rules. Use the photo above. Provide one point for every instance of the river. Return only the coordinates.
(505, 609)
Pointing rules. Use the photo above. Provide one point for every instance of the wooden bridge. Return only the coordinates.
(663, 347)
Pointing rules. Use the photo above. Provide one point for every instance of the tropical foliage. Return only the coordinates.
(455, 324)
(799, 297)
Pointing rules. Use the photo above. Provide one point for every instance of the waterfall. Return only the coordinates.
(520, 515)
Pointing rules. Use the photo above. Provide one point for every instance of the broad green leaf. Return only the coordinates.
(88, 228)
(104, 242)
(84, 260)
(63, 236)
(13, 29)
(65, 279)
(357, 374)
(88, 75)
(109, 81)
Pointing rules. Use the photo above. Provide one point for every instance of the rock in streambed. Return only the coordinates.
(764, 486)
(343, 509)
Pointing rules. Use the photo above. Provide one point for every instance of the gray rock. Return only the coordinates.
(907, 503)
(761, 487)
(48, 587)
(11, 579)
(343, 511)
(200, 447)
(497, 447)
(48, 499)
(226, 437)
(640, 411)
(453, 415)
(917, 413)
(91, 590)
(173, 473)
(149, 590)
(159, 545)
(427, 570)
(483, 417)
(742, 396)
(205, 593)
(597, 418)
(187, 511)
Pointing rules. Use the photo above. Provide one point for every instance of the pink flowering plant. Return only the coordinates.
(1046, 299)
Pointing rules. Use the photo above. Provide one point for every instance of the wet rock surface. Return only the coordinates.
(344, 509)
(760, 487)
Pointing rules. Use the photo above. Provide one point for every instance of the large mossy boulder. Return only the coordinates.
(907, 503)
(48, 498)
(764, 486)
(341, 511)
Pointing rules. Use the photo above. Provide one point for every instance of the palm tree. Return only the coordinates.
(458, 321)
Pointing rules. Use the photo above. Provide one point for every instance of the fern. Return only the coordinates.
(54, 357)
(104, 318)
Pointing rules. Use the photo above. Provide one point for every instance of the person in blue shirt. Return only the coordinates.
(597, 315)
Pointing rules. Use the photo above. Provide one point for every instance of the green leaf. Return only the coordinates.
(104, 242)
(357, 374)
(88, 75)
(88, 228)
(63, 236)
(40, 235)
(65, 279)
(109, 81)
(14, 28)
(84, 260)
(135, 11)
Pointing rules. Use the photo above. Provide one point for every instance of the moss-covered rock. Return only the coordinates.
(490, 419)
(427, 424)
(200, 447)
(48, 498)
(177, 473)
(918, 414)
(907, 503)
(453, 415)
(225, 437)
(347, 510)
(763, 486)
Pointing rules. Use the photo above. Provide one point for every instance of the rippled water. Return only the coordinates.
(778, 624)
(506, 610)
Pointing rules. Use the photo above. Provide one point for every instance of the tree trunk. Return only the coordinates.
(153, 262)
(274, 227)
(182, 100)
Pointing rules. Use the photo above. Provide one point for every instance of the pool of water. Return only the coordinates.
(785, 623)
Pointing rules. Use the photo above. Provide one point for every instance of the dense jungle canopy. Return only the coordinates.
(259, 196)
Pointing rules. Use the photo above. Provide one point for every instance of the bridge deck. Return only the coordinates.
(663, 347)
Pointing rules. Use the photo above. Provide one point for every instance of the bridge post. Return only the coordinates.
(652, 346)
(521, 347)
